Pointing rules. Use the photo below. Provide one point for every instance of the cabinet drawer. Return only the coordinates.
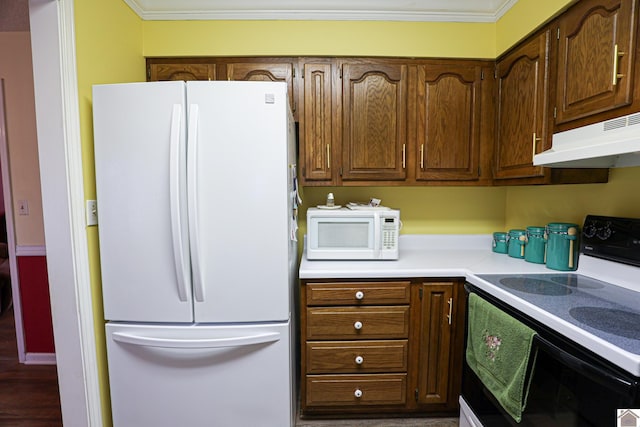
(358, 293)
(356, 357)
(340, 390)
(357, 323)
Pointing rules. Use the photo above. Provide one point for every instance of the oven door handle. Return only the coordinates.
(597, 374)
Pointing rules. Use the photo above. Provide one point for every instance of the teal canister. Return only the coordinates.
(516, 243)
(500, 242)
(535, 245)
(562, 246)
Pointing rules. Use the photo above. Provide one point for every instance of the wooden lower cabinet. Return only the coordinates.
(381, 346)
(356, 390)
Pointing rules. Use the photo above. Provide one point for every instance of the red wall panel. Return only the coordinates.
(36, 306)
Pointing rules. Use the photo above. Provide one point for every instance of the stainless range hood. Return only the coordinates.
(611, 144)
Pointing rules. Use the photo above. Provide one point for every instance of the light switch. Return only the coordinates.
(23, 207)
(92, 212)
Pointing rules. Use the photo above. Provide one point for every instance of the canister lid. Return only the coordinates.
(517, 233)
(560, 227)
(500, 235)
(534, 229)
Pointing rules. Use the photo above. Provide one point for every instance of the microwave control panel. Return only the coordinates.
(389, 233)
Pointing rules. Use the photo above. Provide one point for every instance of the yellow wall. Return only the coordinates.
(112, 43)
(22, 142)
(531, 205)
(335, 38)
(523, 17)
(109, 50)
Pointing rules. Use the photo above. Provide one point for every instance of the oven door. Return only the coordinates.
(570, 386)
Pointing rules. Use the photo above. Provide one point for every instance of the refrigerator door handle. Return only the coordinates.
(240, 341)
(174, 191)
(192, 193)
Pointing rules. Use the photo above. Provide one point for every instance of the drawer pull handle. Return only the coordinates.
(357, 325)
(358, 393)
(359, 295)
(359, 360)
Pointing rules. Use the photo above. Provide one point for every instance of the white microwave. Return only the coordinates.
(352, 234)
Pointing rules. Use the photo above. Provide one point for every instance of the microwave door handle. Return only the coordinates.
(376, 235)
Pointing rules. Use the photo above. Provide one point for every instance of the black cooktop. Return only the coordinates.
(605, 310)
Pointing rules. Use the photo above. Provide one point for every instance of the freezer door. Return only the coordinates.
(140, 160)
(238, 376)
(239, 200)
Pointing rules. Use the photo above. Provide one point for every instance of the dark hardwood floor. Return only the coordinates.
(28, 393)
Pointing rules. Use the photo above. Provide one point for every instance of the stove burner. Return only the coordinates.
(535, 286)
(576, 281)
(617, 322)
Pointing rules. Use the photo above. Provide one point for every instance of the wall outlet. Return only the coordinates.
(92, 212)
(23, 207)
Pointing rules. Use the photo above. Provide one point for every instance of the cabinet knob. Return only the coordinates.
(358, 393)
(358, 325)
(359, 295)
(359, 360)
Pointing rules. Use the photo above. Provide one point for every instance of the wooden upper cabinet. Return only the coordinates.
(264, 71)
(522, 128)
(317, 126)
(448, 122)
(180, 71)
(596, 48)
(374, 121)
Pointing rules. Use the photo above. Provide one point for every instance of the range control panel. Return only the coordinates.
(612, 238)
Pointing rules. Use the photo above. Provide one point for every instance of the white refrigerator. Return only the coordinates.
(197, 205)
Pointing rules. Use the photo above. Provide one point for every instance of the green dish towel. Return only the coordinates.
(498, 351)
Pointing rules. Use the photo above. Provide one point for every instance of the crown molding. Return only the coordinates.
(367, 10)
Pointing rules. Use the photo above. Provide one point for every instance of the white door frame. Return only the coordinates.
(11, 235)
(59, 147)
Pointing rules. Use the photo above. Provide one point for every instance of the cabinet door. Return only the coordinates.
(177, 71)
(435, 342)
(448, 122)
(522, 100)
(596, 55)
(264, 71)
(316, 148)
(374, 122)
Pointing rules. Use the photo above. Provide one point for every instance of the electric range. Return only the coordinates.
(598, 305)
(587, 344)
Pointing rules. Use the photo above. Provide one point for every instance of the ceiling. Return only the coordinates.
(343, 10)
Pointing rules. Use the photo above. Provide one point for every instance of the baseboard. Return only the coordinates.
(40, 359)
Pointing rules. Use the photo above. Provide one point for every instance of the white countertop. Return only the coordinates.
(426, 255)
(468, 256)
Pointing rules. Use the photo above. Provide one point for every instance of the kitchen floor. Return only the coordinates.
(28, 393)
(381, 422)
